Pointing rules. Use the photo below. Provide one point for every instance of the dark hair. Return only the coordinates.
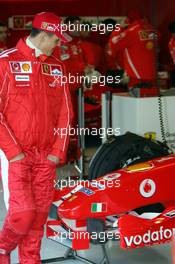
(72, 19)
(2, 24)
(172, 27)
(109, 21)
(35, 32)
(87, 25)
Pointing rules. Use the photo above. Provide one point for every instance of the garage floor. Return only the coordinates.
(50, 249)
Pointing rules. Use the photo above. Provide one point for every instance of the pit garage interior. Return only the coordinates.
(106, 106)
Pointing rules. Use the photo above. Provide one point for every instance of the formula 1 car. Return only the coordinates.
(135, 204)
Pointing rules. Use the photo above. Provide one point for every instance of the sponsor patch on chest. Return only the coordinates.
(22, 78)
(147, 35)
(20, 66)
(51, 69)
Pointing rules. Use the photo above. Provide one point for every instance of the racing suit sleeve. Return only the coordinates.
(60, 146)
(121, 41)
(110, 57)
(8, 142)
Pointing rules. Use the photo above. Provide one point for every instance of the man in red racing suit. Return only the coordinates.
(114, 60)
(3, 36)
(171, 44)
(34, 106)
(139, 45)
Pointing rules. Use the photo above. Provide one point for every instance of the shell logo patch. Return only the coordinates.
(147, 188)
(140, 167)
(26, 67)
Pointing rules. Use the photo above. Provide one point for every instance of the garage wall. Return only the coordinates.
(160, 12)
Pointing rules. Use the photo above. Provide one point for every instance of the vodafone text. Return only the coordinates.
(150, 237)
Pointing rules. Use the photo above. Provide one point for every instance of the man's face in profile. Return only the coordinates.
(3, 34)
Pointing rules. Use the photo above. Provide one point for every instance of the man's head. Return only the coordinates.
(73, 23)
(3, 32)
(46, 32)
(109, 22)
(134, 15)
(86, 29)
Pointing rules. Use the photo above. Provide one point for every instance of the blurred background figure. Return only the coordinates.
(171, 44)
(85, 33)
(72, 56)
(74, 22)
(3, 36)
(109, 23)
(138, 43)
(80, 56)
(3, 46)
(114, 60)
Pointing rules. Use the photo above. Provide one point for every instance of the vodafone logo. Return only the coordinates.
(147, 188)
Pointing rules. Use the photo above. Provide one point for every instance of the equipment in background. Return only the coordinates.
(121, 151)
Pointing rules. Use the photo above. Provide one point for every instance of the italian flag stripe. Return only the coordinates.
(98, 207)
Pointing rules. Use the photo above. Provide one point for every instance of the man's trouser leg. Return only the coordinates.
(31, 188)
(43, 173)
(21, 212)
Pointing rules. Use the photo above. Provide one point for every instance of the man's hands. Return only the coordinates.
(89, 69)
(18, 157)
(53, 158)
(22, 155)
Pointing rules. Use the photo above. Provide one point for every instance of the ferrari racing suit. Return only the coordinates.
(139, 45)
(35, 113)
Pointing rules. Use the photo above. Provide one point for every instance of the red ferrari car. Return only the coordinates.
(135, 204)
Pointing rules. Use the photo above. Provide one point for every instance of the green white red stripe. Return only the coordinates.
(98, 207)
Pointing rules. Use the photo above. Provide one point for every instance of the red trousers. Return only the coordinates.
(31, 188)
